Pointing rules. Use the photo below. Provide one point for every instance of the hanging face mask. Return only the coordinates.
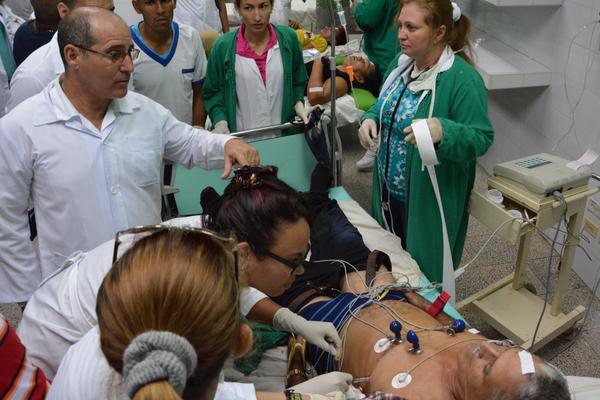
(425, 80)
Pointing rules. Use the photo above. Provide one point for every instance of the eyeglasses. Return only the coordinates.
(115, 56)
(293, 264)
(151, 229)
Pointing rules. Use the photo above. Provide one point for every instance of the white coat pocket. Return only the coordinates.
(143, 162)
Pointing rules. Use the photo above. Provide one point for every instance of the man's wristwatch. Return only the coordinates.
(290, 394)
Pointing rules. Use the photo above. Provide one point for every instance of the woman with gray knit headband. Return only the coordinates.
(160, 325)
(168, 316)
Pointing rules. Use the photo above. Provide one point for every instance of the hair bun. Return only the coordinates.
(247, 178)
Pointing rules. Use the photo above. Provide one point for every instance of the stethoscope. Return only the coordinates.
(384, 203)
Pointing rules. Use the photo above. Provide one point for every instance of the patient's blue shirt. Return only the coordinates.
(336, 312)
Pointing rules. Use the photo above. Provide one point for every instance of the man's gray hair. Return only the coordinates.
(75, 29)
(548, 383)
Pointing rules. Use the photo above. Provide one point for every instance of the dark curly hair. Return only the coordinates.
(253, 207)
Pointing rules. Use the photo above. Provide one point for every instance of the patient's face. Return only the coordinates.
(489, 367)
(271, 276)
(360, 65)
(326, 33)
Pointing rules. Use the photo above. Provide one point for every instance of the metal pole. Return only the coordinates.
(251, 132)
(333, 124)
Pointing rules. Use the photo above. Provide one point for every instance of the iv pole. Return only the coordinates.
(333, 124)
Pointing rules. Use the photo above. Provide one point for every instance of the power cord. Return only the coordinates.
(588, 64)
(563, 203)
(461, 270)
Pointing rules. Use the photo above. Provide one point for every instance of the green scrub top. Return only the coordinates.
(6, 54)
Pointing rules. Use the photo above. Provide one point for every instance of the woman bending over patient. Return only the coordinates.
(273, 224)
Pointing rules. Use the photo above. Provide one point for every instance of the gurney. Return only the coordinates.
(292, 155)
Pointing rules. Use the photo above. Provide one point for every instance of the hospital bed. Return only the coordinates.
(295, 161)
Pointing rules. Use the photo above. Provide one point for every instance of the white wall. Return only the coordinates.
(533, 120)
(529, 121)
(126, 11)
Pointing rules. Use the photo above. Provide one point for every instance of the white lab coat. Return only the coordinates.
(282, 12)
(35, 73)
(63, 309)
(259, 104)
(11, 23)
(200, 14)
(84, 374)
(86, 184)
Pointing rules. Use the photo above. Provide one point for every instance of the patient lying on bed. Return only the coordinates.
(319, 41)
(463, 366)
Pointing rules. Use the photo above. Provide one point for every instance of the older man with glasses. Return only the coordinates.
(88, 154)
(43, 65)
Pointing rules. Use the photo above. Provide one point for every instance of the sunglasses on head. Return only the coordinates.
(151, 229)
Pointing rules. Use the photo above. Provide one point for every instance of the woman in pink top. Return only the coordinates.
(255, 75)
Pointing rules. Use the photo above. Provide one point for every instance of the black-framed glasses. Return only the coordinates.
(293, 264)
(151, 229)
(116, 55)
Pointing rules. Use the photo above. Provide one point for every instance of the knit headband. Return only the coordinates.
(158, 355)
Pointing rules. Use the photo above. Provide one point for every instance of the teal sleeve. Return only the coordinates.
(373, 112)
(370, 14)
(468, 134)
(214, 84)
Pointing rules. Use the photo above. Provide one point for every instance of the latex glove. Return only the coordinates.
(238, 152)
(301, 111)
(221, 127)
(435, 129)
(367, 134)
(321, 334)
(328, 396)
(326, 383)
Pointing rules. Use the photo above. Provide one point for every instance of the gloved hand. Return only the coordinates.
(221, 127)
(435, 129)
(321, 334)
(326, 383)
(367, 134)
(328, 396)
(301, 111)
